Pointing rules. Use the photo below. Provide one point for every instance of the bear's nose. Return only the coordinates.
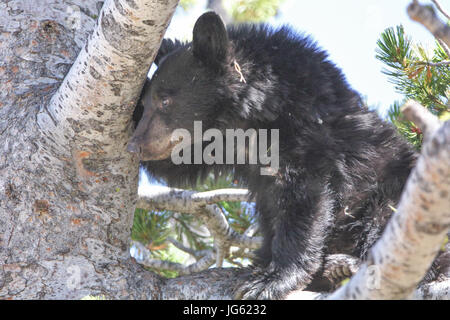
(133, 147)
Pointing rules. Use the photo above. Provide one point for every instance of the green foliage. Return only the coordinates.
(153, 228)
(344, 282)
(187, 4)
(244, 10)
(189, 229)
(150, 228)
(253, 10)
(214, 182)
(407, 128)
(239, 215)
(418, 73)
(169, 253)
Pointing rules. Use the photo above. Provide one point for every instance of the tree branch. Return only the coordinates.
(426, 121)
(433, 64)
(427, 17)
(201, 204)
(437, 290)
(445, 47)
(197, 254)
(433, 291)
(441, 9)
(214, 196)
(143, 256)
(112, 62)
(416, 232)
(65, 219)
(336, 266)
(218, 284)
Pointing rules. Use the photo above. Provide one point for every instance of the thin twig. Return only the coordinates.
(143, 256)
(195, 253)
(198, 203)
(440, 9)
(433, 64)
(214, 196)
(445, 47)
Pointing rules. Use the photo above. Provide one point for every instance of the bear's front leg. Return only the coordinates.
(294, 237)
(271, 283)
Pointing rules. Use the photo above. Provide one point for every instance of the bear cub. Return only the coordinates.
(340, 167)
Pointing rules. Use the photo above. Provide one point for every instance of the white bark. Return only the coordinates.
(202, 205)
(67, 185)
(427, 17)
(433, 291)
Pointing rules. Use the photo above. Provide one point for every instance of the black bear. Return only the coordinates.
(340, 167)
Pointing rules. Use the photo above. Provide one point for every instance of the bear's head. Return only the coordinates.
(190, 84)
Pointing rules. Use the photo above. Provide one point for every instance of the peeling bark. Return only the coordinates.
(69, 83)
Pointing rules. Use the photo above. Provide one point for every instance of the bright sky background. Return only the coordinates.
(347, 29)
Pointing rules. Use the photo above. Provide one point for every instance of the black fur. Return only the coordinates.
(341, 167)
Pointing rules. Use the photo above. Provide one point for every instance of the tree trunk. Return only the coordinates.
(67, 185)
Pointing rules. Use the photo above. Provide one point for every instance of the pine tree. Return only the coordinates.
(418, 73)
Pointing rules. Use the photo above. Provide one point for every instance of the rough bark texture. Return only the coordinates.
(428, 18)
(203, 205)
(67, 185)
(396, 265)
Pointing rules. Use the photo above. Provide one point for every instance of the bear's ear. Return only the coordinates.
(167, 46)
(210, 39)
